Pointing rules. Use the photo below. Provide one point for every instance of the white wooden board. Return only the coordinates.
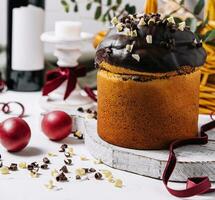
(193, 160)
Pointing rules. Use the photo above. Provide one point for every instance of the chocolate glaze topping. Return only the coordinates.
(150, 44)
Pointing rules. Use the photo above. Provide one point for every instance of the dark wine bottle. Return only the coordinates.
(25, 58)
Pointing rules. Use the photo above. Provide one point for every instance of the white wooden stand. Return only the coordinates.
(193, 160)
(67, 52)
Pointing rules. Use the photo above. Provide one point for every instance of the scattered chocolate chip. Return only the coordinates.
(35, 165)
(61, 177)
(13, 167)
(44, 166)
(46, 160)
(78, 134)
(98, 176)
(64, 169)
(64, 146)
(30, 167)
(89, 111)
(1, 163)
(35, 170)
(61, 149)
(80, 109)
(67, 154)
(78, 177)
(68, 161)
(86, 170)
(92, 170)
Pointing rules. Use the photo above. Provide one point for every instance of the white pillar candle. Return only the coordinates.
(68, 30)
(27, 49)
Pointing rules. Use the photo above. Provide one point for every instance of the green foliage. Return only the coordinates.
(209, 37)
(105, 10)
(198, 7)
(192, 23)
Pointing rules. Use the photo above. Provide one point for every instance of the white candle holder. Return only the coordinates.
(67, 52)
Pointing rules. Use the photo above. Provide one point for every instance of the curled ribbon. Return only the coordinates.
(195, 185)
(6, 109)
(55, 77)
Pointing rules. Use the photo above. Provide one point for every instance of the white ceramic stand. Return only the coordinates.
(67, 52)
(193, 160)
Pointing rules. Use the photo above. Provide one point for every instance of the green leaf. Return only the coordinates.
(118, 2)
(98, 12)
(114, 8)
(88, 6)
(98, 1)
(199, 6)
(177, 20)
(65, 5)
(209, 37)
(132, 10)
(76, 8)
(202, 25)
(109, 2)
(127, 7)
(192, 23)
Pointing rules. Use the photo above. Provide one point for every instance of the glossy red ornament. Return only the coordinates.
(56, 125)
(14, 134)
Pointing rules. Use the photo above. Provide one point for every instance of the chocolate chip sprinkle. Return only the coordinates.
(44, 166)
(67, 154)
(92, 170)
(80, 109)
(13, 167)
(46, 160)
(64, 169)
(68, 161)
(30, 167)
(61, 177)
(61, 149)
(98, 176)
(64, 146)
(77, 177)
(35, 165)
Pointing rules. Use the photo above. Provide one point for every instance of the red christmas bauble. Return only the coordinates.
(56, 125)
(14, 134)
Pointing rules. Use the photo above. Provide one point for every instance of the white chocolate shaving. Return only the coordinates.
(119, 27)
(142, 22)
(149, 39)
(136, 57)
(114, 21)
(118, 183)
(171, 20)
(181, 26)
(4, 170)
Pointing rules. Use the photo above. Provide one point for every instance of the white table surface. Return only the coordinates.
(20, 186)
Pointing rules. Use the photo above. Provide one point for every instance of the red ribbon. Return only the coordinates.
(195, 185)
(90, 93)
(55, 77)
